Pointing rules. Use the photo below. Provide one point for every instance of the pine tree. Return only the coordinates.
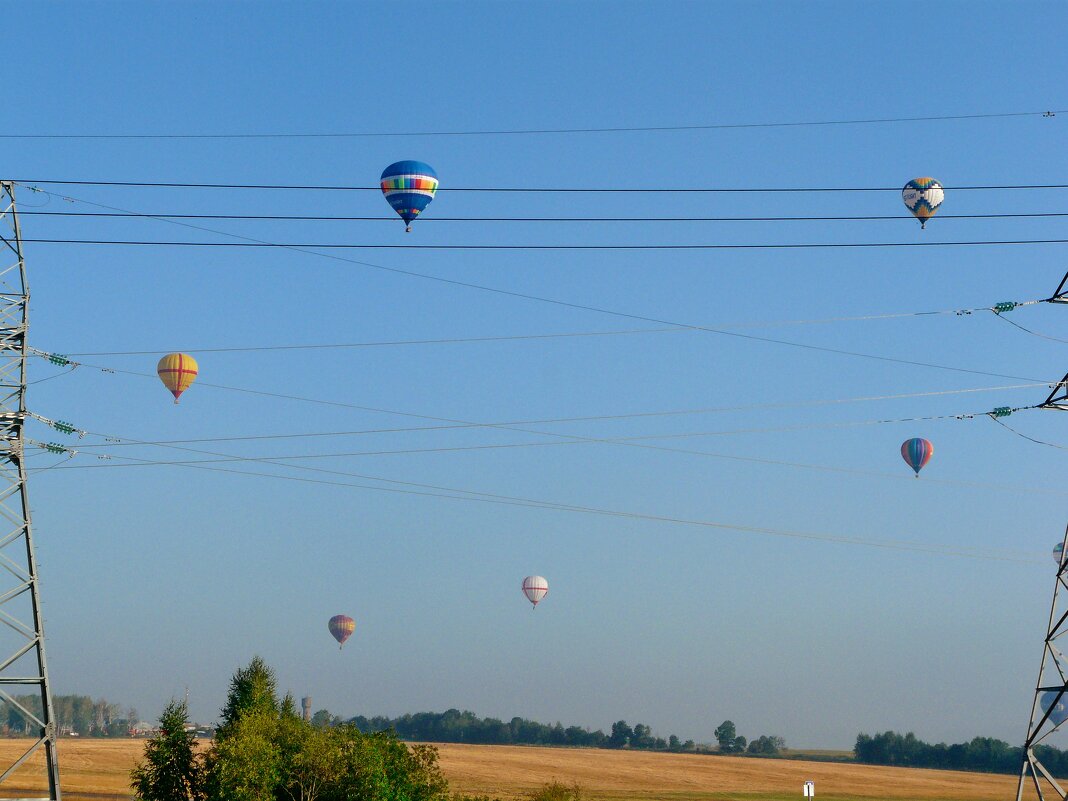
(252, 689)
(170, 769)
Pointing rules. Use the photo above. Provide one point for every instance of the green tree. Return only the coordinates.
(288, 707)
(766, 746)
(725, 734)
(379, 767)
(246, 765)
(642, 736)
(252, 689)
(621, 734)
(312, 760)
(322, 719)
(170, 769)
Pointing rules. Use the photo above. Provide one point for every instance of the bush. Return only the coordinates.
(557, 791)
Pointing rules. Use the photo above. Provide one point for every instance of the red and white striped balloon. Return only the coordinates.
(535, 588)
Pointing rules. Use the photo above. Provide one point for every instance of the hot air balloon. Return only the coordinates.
(1060, 708)
(916, 452)
(923, 196)
(409, 186)
(1058, 553)
(177, 371)
(341, 626)
(535, 588)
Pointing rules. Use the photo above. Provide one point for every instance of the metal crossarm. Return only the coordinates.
(1061, 295)
(1058, 398)
(22, 643)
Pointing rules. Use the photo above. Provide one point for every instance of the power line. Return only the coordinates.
(344, 404)
(1022, 435)
(389, 343)
(717, 246)
(599, 418)
(530, 131)
(560, 438)
(436, 219)
(563, 335)
(1029, 331)
(635, 442)
(450, 493)
(31, 184)
(563, 439)
(563, 303)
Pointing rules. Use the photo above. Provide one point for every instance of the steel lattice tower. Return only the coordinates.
(22, 646)
(1048, 710)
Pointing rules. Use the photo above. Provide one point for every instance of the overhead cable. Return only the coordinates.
(528, 131)
(716, 246)
(571, 305)
(33, 185)
(437, 219)
(287, 460)
(595, 418)
(570, 334)
(451, 493)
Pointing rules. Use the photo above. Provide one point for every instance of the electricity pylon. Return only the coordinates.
(22, 646)
(1049, 707)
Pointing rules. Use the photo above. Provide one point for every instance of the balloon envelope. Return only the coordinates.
(409, 186)
(341, 626)
(916, 452)
(1060, 709)
(535, 588)
(177, 371)
(923, 196)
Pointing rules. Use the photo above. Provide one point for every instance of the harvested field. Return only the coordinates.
(97, 770)
(509, 771)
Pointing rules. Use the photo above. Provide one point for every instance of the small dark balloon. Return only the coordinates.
(341, 626)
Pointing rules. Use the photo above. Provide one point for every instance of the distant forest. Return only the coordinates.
(984, 754)
(454, 726)
(75, 714)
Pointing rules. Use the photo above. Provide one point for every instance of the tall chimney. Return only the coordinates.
(305, 704)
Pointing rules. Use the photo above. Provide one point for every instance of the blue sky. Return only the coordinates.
(158, 578)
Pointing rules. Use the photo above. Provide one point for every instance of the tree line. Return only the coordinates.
(74, 714)
(454, 726)
(982, 754)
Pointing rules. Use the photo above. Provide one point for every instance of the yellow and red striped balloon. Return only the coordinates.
(177, 371)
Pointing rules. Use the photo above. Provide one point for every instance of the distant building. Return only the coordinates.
(305, 705)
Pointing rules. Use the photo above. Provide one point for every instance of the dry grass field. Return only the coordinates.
(95, 770)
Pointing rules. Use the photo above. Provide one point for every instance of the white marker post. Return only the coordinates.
(809, 790)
